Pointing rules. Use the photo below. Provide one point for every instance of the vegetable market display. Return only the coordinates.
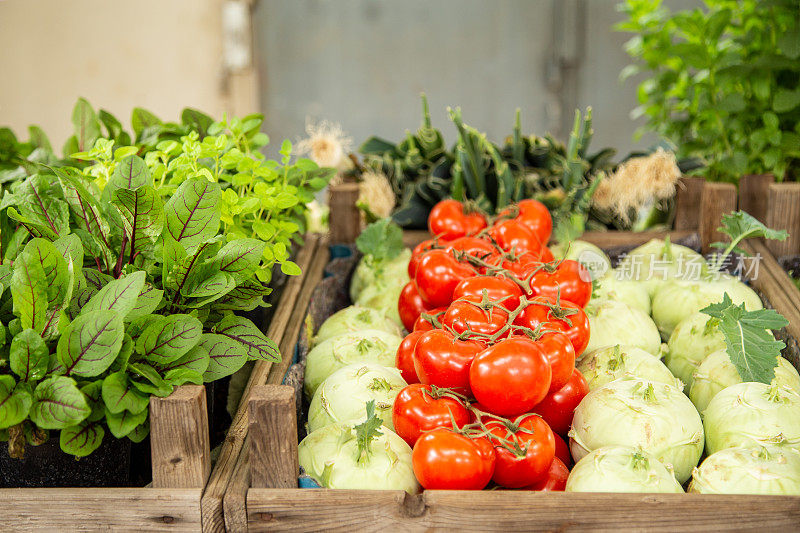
(127, 264)
(518, 365)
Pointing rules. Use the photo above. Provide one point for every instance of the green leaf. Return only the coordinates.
(376, 146)
(140, 432)
(58, 404)
(142, 119)
(192, 213)
(255, 343)
(789, 42)
(82, 439)
(38, 138)
(29, 292)
(29, 356)
(750, 346)
(290, 268)
(90, 343)
(120, 395)
(120, 295)
(147, 380)
(196, 359)
(240, 258)
(381, 240)
(367, 430)
(86, 124)
(740, 225)
(142, 213)
(148, 302)
(197, 120)
(168, 338)
(181, 376)
(120, 424)
(785, 100)
(58, 281)
(130, 173)
(93, 391)
(226, 356)
(15, 402)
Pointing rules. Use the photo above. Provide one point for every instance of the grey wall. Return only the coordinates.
(363, 63)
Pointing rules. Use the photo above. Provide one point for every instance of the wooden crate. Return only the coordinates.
(266, 497)
(231, 467)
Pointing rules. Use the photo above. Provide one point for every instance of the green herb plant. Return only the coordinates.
(722, 82)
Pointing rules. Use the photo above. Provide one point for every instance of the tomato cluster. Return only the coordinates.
(495, 326)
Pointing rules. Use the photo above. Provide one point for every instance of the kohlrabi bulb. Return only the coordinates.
(612, 323)
(343, 395)
(585, 253)
(613, 286)
(614, 362)
(367, 346)
(717, 372)
(368, 271)
(621, 469)
(655, 417)
(383, 296)
(691, 341)
(352, 320)
(657, 261)
(752, 414)
(770, 470)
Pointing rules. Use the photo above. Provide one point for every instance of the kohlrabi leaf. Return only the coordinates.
(130, 173)
(29, 292)
(740, 226)
(750, 345)
(29, 356)
(192, 213)
(120, 395)
(15, 402)
(81, 439)
(168, 338)
(58, 404)
(142, 213)
(90, 343)
(382, 240)
(368, 430)
(244, 332)
(120, 424)
(226, 356)
(120, 295)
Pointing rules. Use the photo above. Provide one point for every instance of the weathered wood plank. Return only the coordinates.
(688, 198)
(179, 440)
(273, 437)
(784, 213)
(351, 510)
(100, 509)
(345, 218)
(213, 518)
(754, 194)
(717, 199)
(776, 285)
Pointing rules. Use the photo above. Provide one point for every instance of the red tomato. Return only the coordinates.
(514, 236)
(417, 410)
(545, 255)
(423, 324)
(568, 318)
(410, 305)
(404, 360)
(421, 248)
(559, 352)
(569, 279)
(555, 480)
(448, 220)
(562, 450)
(467, 315)
(532, 450)
(447, 460)
(510, 377)
(498, 289)
(472, 246)
(437, 275)
(442, 360)
(558, 407)
(536, 217)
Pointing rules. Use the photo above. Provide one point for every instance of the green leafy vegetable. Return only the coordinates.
(367, 430)
(382, 240)
(739, 226)
(751, 348)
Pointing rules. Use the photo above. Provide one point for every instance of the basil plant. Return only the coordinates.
(112, 294)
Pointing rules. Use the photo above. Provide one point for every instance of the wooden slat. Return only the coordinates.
(213, 518)
(776, 285)
(754, 193)
(235, 512)
(179, 440)
(344, 218)
(273, 437)
(688, 198)
(784, 213)
(718, 199)
(96, 509)
(351, 510)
